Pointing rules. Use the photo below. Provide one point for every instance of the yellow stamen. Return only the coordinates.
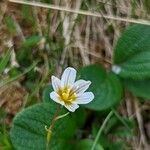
(67, 95)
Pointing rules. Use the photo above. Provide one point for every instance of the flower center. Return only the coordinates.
(67, 95)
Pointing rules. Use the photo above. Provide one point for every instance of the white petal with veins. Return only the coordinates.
(56, 83)
(85, 98)
(72, 107)
(81, 86)
(68, 77)
(55, 97)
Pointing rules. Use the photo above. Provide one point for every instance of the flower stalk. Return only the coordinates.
(49, 130)
(69, 93)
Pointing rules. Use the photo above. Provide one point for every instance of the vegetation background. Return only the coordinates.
(37, 42)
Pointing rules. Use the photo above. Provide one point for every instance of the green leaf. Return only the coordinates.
(27, 16)
(79, 117)
(5, 61)
(7, 81)
(31, 41)
(118, 145)
(46, 93)
(116, 127)
(111, 145)
(140, 88)
(123, 133)
(86, 144)
(105, 86)
(11, 25)
(28, 130)
(25, 54)
(132, 53)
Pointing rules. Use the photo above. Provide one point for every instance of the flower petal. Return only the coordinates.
(85, 98)
(72, 107)
(81, 86)
(56, 83)
(55, 97)
(68, 77)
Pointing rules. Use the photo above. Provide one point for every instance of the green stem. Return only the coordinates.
(101, 129)
(49, 130)
(49, 133)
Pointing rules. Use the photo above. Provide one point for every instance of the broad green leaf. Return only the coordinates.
(5, 61)
(132, 53)
(140, 88)
(105, 86)
(86, 144)
(28, 130)
(79, 117)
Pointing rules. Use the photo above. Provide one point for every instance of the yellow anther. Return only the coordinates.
(65, 96)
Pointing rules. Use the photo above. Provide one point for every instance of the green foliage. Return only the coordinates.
(140, 88)
(105, 86)
(132, 56)
(5, 60)
(14, 72)
(27, 14)
(132, 52)
(147, 5)
(10, 24)
(5, 143)
(17, 76)
(46, 93)
(31, 41)
(28, 131)
(79, 117)
(86, 144)
(117, 145)
(24, 54)
(116, 127)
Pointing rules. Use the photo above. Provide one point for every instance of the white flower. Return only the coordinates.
(69, 92)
